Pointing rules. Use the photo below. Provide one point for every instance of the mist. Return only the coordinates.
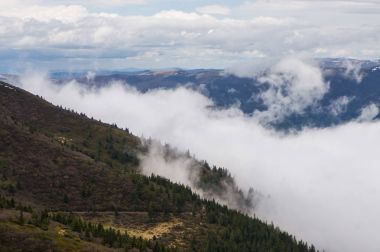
(319, 184)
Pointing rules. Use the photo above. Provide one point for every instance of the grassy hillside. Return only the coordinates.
(67, 164)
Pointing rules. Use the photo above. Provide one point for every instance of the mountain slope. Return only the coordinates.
(64, 162)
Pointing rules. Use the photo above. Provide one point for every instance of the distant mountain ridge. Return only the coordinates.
(353, 93)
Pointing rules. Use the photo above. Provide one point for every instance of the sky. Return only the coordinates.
(152, 34)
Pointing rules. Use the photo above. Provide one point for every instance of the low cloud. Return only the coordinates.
(90, 76)
(183, 168)
(293, 86)
(320, 184)
(160, 159)
(339, 106)
(368, 113)
(353, 70)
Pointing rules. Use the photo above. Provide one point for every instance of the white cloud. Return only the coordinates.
(66, 36)
(251, 68)
(254, 54)
(267, 20)
(45, 14)
(339, 106)
(156, 161)
(353, 70)
(180, 167)
(214, 10)
(321, 185)
(88, 3)
(111, 2)
(293, 86)
(368, 113)
(90, 76)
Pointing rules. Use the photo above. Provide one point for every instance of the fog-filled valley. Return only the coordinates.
(166, 126)
(317, 183)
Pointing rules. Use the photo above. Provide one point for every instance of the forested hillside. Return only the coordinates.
(71, 183)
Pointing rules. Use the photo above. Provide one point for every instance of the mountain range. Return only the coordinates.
(352, 86)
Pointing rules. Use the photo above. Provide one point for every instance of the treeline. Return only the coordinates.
(11, 204)
(213, 182)
(240, 232)
(110, 236)
(219, 184)
(87, 230)
(227, 230)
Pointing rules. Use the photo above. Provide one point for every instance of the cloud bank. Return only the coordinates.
(58, 35)
(320, 184)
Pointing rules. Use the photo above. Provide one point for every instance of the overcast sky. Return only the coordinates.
(120, 34)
